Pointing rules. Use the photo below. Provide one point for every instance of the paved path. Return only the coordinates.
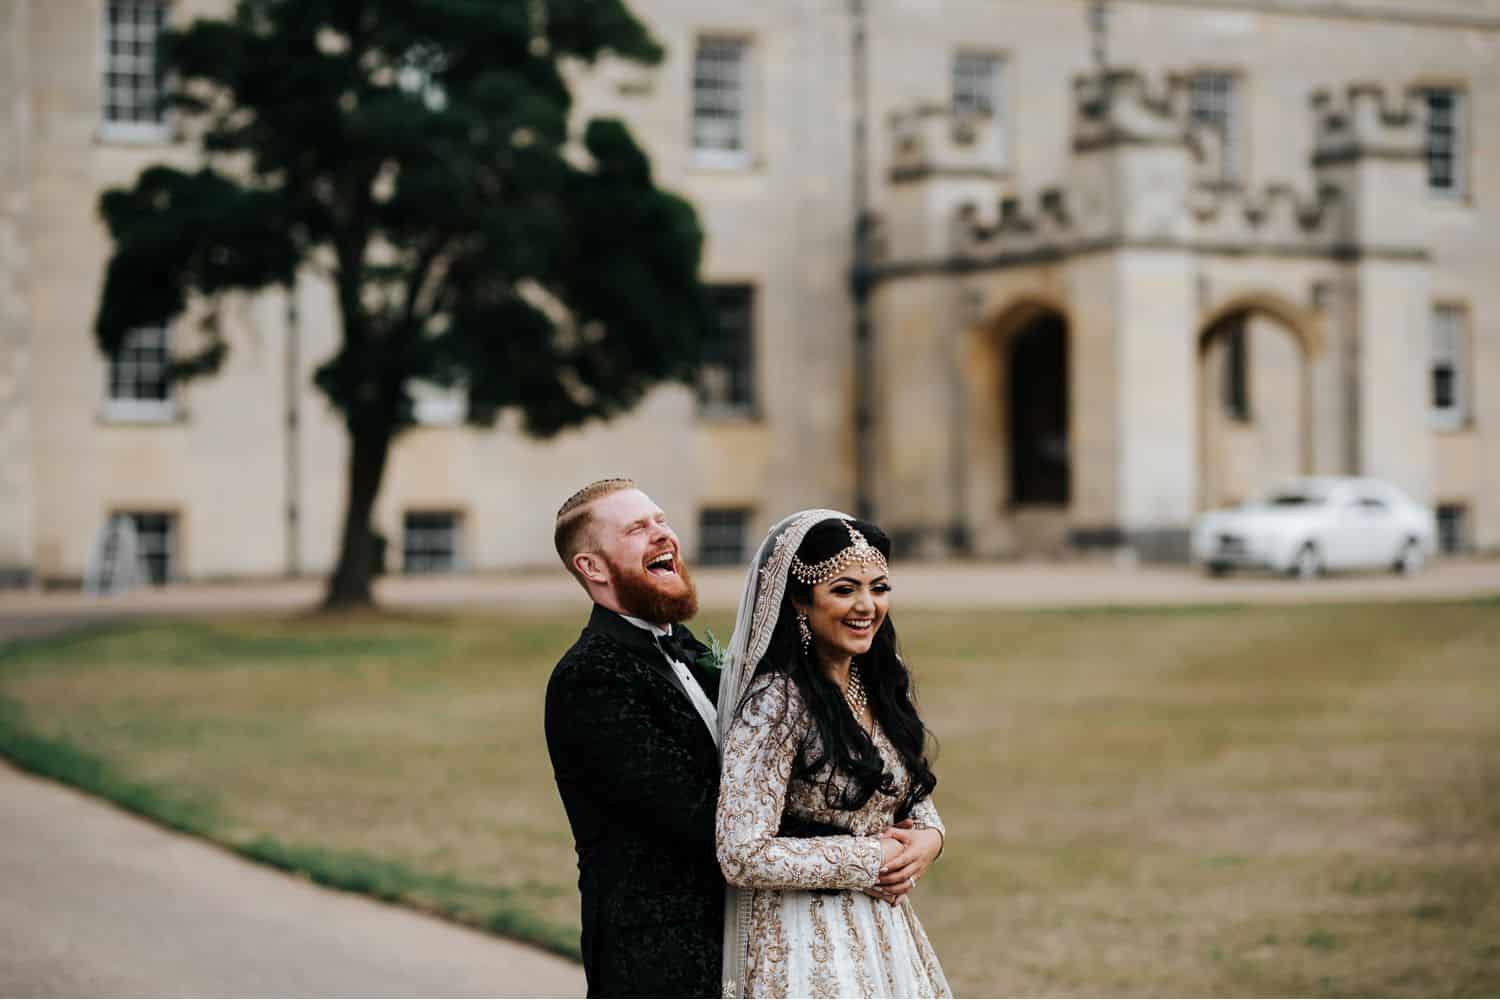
(98, 902)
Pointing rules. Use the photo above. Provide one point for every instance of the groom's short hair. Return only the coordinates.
(573, 533)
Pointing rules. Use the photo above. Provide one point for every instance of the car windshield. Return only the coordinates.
(1293, 498)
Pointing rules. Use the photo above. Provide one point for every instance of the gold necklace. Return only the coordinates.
(854, 695)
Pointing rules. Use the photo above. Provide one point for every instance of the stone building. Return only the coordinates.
(1122, 269)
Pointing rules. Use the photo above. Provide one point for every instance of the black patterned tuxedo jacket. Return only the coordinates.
(638, 772)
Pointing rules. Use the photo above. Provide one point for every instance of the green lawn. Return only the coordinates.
(1230, 801)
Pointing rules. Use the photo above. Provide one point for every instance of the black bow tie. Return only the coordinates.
(674, 648)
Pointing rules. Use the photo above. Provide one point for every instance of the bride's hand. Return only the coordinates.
(919, 849)
(890, 850)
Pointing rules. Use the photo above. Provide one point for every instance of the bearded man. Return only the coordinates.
(631, 729)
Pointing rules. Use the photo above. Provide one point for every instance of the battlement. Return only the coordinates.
(932, 139)
(1365, 120)
(1277, 218)
(1121, 106)
(1144, 172)
(1020, 227)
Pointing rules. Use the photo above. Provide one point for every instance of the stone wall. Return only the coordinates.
(783, 224)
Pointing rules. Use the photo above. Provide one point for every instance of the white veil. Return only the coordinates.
(754, 624)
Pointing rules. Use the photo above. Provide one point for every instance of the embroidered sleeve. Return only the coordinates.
(924, 816)
(759, 751)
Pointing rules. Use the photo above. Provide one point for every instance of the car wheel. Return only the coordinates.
(1217, 569)
(1307, 564)
(1409, 562)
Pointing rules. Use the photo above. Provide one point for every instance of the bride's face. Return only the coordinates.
(848, 610)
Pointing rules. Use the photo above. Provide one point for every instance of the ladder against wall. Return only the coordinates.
(116, 562)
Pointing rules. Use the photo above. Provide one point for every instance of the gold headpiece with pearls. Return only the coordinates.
(860, 552)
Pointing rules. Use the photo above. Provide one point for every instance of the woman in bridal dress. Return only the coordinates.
(825, 819)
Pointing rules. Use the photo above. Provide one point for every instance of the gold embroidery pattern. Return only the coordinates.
(769, 960)
(824, 981)
(760, 751)
(857, 942)
(887, 957)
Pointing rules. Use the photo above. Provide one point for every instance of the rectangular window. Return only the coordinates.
(726, 381)
(1237, 372)
(1447, 368)
(133, 82)
(979, 89)
(721, 102)
(721, 536)
(1452, 528)
(430, 541)
(155, 543)
(1212, 101)
(1445, 142)
(140, 387)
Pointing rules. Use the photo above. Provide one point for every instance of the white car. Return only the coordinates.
(1316, 525)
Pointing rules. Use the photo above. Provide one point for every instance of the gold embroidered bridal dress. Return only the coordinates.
(797, 921)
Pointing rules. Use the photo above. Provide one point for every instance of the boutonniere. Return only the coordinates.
(711, 660)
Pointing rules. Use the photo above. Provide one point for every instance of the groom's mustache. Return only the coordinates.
(643, 596)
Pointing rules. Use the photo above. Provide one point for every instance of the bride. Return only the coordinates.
(825, 818)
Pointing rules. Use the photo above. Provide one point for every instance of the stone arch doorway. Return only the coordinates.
(1013, 467)
(1255, 402)
(1036, 410)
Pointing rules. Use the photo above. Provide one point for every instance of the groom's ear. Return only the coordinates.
(591, 567)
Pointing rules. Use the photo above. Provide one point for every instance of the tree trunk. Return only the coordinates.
(349, 587)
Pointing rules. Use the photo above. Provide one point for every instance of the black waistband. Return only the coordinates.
(797, 826)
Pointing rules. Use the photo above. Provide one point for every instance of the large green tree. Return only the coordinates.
(418, 154)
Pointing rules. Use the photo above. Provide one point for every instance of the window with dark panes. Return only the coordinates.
(721, 101)
(139, 369)
(430, 541)
(979, 89)
(156, 542)
(722, 536)
(1445, 141)
(1213, 101)
(133, 82)
(726, 381)
(1448, 356)
(139, 385)
(1452, 528)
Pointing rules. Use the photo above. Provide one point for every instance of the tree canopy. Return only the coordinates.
(417, 153)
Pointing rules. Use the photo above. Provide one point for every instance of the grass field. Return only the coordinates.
(1229, 801)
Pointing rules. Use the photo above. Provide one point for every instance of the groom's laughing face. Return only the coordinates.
(644, 558)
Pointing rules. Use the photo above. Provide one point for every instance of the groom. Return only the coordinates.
(631, 729)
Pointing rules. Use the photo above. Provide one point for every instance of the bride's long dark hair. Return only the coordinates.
(842, 742)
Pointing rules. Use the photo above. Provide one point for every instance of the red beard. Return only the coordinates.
(660, 602)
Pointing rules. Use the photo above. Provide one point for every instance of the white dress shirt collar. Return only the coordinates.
(704, 707)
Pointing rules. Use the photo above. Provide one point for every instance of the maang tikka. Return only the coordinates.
(858, 553)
